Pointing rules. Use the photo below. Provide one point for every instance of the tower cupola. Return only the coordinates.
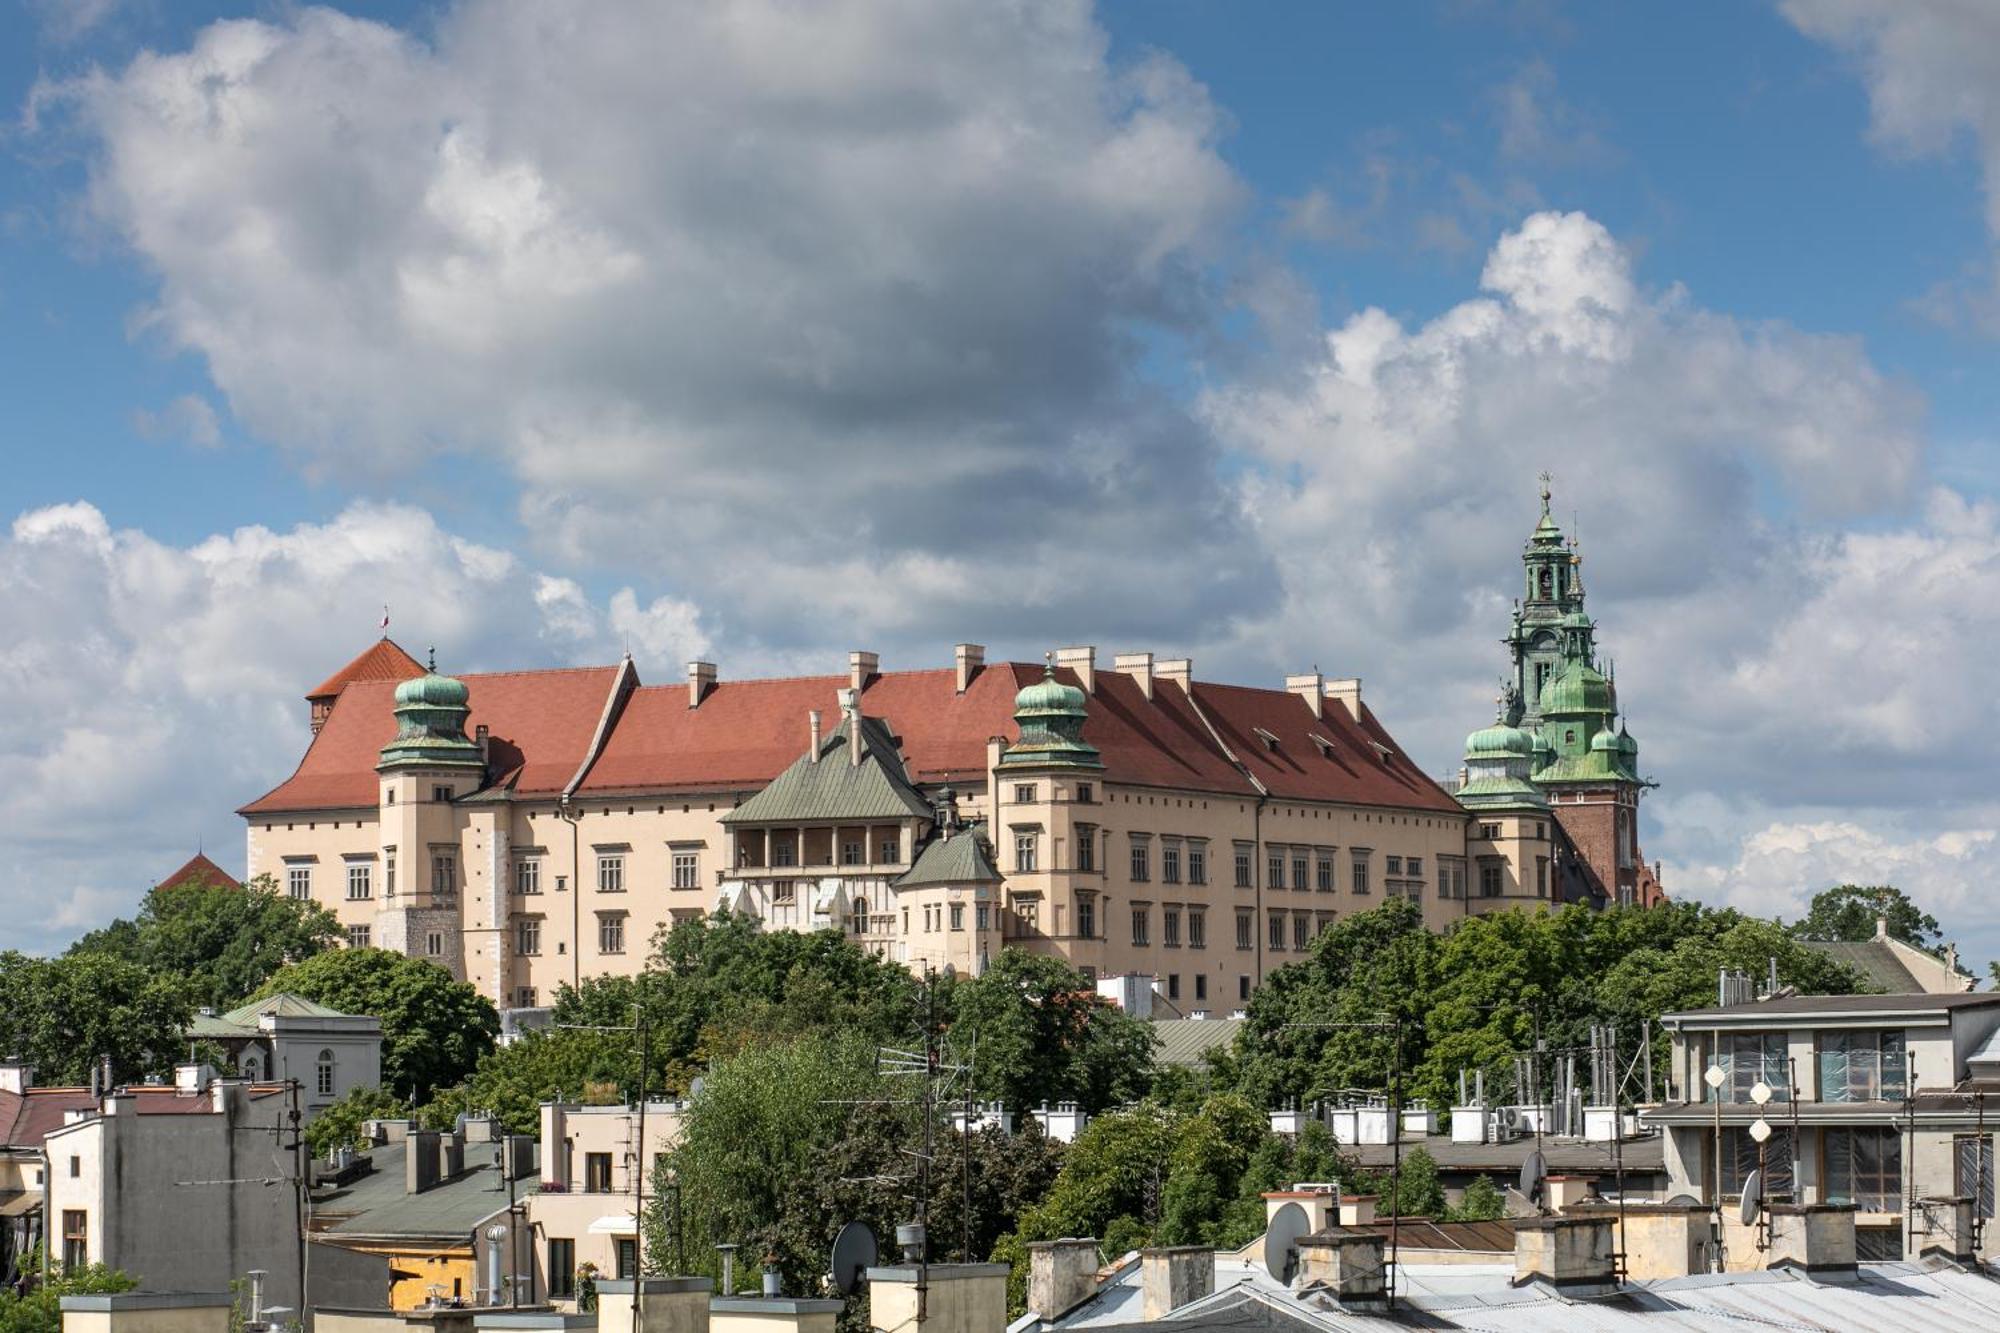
(1051, 716)
(431, 710)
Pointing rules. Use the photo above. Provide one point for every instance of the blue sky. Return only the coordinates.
(1269, 313)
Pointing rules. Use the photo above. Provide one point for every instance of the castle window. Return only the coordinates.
(357, 937)
(528, 875)
(1025, 847)
(1086, 916)
(1243, 868)
(687, 870)
(1084, 794)
(1274, 869)
(1141, 916)
(1492, 879)
(1325, 874)
(299, 881)
(444, 872)
(528, 936)
(958, 916)
(1277, 932)
(1197, 928)
(785, 891)
(1170, 927)
(1298, 870)
(1024, 793)
(1301, 931)
(784, 850)
(358, 880)
(1360, 871)
(611, 874)
(1569, 736)
(1170, 863)
(442, 795)
(1197, 858)
(1244, 927)
(1141, 859)
(1086, 847)
(611, 932)
(434, 944)
(850, 853)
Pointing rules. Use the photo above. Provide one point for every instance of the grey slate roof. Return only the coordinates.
(835, 788)
(1645, 1155)
(958, 859)
(1875, 960)
(379, 1204)
(1183, 1041)
(242, 1020)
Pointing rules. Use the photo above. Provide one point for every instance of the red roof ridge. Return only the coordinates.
(382, 660)
(535, 671)
(200, 870)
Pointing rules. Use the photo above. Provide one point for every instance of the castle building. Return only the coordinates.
(527, 829)
(1559, 748)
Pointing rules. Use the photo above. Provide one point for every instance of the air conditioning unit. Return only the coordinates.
(1506, 1124)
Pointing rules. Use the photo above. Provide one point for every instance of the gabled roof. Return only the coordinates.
(540, 725)
(833, 785)
(381, 660)
(1183, 1041)
(958, 859)
(27, 1118)
(200, 872)
(379, 1204)
(242, 1020)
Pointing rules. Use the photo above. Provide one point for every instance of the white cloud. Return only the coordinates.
(148, 689)
(188, 418)
(1536, 124)
(1932, 69)
(1781, 866)
(665, 261)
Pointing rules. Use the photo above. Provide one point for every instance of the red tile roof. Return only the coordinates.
(381, 660)
(540, 725)
(201, 873)
(744, 733)
(25, 1120)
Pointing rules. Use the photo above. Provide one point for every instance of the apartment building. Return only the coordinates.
(595, 1161)
(1878, 1101)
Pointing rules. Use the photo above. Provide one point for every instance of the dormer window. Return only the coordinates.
(1270, 741)
(1324, 746)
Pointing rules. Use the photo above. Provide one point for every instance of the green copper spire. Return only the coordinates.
(1050, 715)
(430, 724)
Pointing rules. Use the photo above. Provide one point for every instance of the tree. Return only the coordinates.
(434, 1029)
(1849, 912)
(1481, 1202)
(1415, 1189)
(513, 1081)
(64, 1014)
(1037, 1033)
(224, 942)
(40, 1309)
(342, 1124)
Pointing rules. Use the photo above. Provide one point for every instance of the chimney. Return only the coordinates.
(484, 739)
(1139, 666)
(420, 1160)
(1818, 1237)
(701, 679)
(1348, 692)
(1952, 1230)
(16, 1076)
(850, 710)
(963, 1298)
(1179, 670)
(520, 1156)
(1173, 1276)
(1357, 1210)
(193, 1079)
(812, 731)
(1566, 1192)
(663, 1304)
(144, 1311)
(1881, 927)
(970, 657)
(1311, 687)
(388, 1131)
(1062, 1274)
(1571, 1254)
(777, 1314)
(1083, 661)
(1346, 1264)
(861, 668)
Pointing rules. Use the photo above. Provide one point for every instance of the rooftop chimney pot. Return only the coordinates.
(701, 679)
(970, 658)
(1083, 661)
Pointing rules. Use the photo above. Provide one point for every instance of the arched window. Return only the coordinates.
(1548, 581)
(252, 1067)
(325, 1073)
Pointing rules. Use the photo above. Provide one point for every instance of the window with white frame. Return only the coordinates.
(358, 937)
(359, 880)
(389, 873)
(611, 932)
(611, 872)
(528, 936)
(444, 872)
(299, 881)
(1086, 847)
(1026, 844)
(687, 870)
(323, 1073)
(1024, 793)
(1358, 873)
(1197, 863)
(1170, 862)
(528, 874)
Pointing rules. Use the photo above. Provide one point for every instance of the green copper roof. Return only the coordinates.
(958, 859)
(834, 788)
(1498, 740)
(430, 724)
(1050, 715)
(242, 1020)
(1579, 688)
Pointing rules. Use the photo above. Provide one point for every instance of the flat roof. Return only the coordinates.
(1841, 1004)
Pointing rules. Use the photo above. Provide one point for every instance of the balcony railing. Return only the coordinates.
(1864, 1076)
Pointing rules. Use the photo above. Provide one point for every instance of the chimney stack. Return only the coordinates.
(1139, 666)
(1179, 670)
(970, 658)
(653, 1304)
(1311, 687)
(1062, 1274)
(701, 679)
(1083, 661)
(963, 1298)
(1173, 1276)
(16, 1076)
(812, 717)
(1348, 692)
(861, 668)
(1346, 1263)
(1572, 1254)
(850, 708)
(420, 1160)
(1818, 1237)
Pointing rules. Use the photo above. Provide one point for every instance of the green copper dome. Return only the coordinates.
(1498, 741)
(1605, 742)
(431, 710)
(1577, 688)
(1051, 715)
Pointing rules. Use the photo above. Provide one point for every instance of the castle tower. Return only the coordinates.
(425, 770)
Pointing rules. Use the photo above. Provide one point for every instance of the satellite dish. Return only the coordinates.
(854, 1253)
(1281, 1242)
(1683, 1201)
(1533, 1171)
(695, 1085)
(1753, 1199)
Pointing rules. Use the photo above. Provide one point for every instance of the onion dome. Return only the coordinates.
(1497, 764)
(1605, 742)
(1578, 688)
(1498, 741)
(1050, 716)
(431, 710)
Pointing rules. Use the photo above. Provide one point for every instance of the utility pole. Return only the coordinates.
(643, 1030)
